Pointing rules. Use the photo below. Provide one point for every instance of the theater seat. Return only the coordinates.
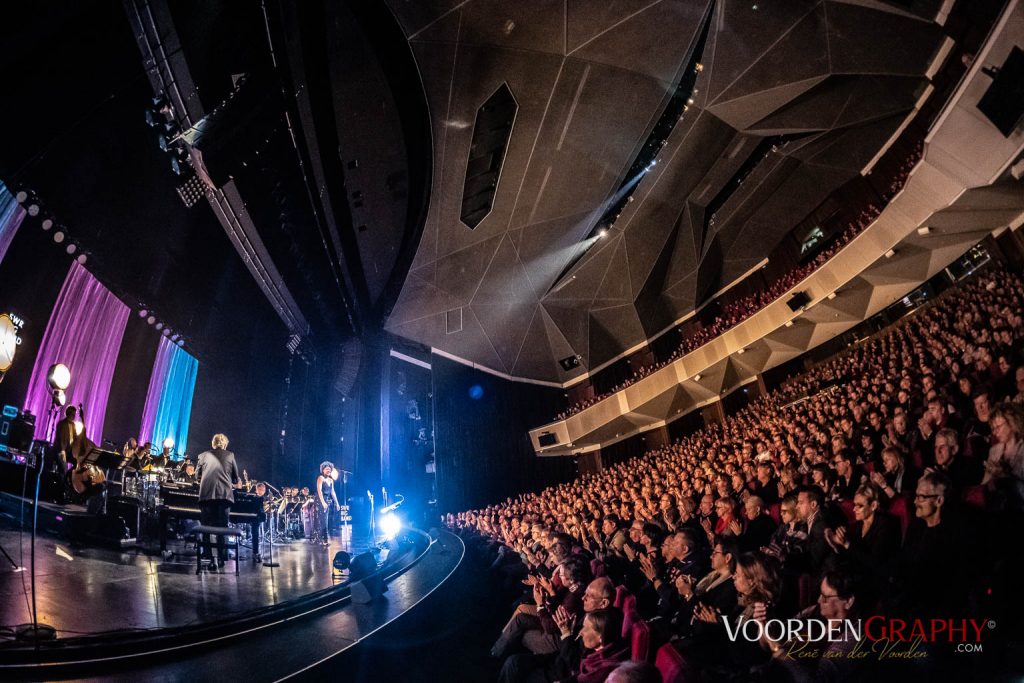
(847, 507)
(975, 496)
(899, 508)
(673, 667)
(597, 568)
(640, 641)
(630, 615)
(775, 510)
(620, 594)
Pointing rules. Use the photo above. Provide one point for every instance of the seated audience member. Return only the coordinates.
(1004, 469)
(729, 521)
(635, 672)
(963, 471)
(977, 431)
(934, 555)
(848, 475)
(535, 629)
(872, 545)
(528, 667)
(810, 510)
(839, 598)
(716, 590)
(603, 644)
(790, 537)
(896, 478)
(760, 526)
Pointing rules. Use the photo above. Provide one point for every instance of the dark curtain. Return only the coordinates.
(481, 439)
(131, 379)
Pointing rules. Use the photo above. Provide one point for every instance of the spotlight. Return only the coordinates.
(832, 295)
(602, 232)
(72, 248)
(334, 473)
(82, 258)
(342, 560)
(47, 223)
(390, 525)
(79, 427)
(159, 326)
(181, 342)
(168, 442)
(167, 332)
(697, 377)
(58, 236)
(741, 352)
(143, 312)
(58, 376)
(59, 397)
(890, 253)
(176, 337)
(789, 323)
(151, 319)
(21, 197)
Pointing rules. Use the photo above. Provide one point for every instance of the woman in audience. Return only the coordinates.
(602, 638)
(872, 545)
(1004, 468)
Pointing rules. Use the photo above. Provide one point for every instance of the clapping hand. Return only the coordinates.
(708, 615)
(630, 553)
(735, 527)
(563, 620)
(647, 567)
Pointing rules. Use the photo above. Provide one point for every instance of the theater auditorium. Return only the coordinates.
(515, 341)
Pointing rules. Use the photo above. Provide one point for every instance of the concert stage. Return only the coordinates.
(143, 616)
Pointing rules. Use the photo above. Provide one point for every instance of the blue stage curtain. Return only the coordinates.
(174, 408)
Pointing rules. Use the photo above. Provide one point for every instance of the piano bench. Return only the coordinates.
(227, 539)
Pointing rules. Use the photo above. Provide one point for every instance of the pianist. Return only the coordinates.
(218, 476)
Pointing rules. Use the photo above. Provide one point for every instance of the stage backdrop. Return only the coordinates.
(169, 398)
(482, 447)
(84, 333)
(11, 215)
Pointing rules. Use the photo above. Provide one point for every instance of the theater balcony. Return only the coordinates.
(961, 191)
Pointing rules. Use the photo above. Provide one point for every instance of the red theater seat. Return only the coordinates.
(847, 507)
(975, 496)
(775, 510)
(640, 641)
(620, 594)
(673, 667)
(900, 508)
(597, 568)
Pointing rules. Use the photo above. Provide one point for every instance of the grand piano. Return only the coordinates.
(181, 501)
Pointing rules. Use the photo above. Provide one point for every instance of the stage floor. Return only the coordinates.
(87, 590)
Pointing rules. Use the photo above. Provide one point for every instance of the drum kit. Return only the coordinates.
(291, 513)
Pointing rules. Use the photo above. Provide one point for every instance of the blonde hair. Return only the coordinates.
(219, 441)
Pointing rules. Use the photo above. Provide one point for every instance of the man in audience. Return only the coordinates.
(759, 526)
(810, 505)
(962, 472)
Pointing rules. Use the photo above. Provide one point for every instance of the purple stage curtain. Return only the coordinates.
(157, 378)
(84, 333)
(11, 215)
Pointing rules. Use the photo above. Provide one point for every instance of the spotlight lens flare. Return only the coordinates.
(59, 376)
(390, 525)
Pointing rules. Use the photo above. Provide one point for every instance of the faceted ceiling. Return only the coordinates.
(590, 79)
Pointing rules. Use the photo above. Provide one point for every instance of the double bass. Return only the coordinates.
(82, 475)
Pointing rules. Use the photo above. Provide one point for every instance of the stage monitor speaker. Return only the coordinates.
(1003, 102)
(362, 566)
(20, 431)
(798, 301)
(368, 590)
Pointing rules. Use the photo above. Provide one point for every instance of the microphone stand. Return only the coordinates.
(35, 631)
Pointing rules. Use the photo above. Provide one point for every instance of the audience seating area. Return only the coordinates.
(885, 481)
(735, 312)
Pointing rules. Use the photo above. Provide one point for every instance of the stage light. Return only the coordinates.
(168, 442)
(59, 236)
(390, 525)
(58, 377)
(47, 223)
(79, 427)
(143, 312)
(167, 332)
(72, 248)
(8, 343)
(697, 377)
(342, 560)
(181, 342)
(21, 197)
(151, 319)
(82, 258)
(33, 209)
(159, 326)
(175, 337)
(602, 232)
(59, 397)
(334, 473)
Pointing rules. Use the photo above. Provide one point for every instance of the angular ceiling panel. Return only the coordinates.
(591, 80)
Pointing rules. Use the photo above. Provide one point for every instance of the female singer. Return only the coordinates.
(325, 495)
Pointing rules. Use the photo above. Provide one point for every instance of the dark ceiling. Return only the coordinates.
(830, 80)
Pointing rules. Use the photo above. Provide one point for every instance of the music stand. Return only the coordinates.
(106, 461)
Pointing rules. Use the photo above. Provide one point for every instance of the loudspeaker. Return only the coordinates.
(362, 566)
(1003, 102)
(368, 590)
(546, 439)
(798, 301)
